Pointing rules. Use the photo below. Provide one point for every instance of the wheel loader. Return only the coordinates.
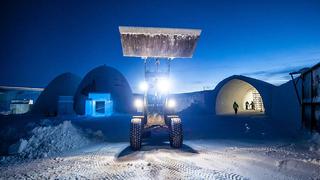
(157, 47)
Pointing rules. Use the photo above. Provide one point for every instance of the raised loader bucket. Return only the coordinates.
(158, 42)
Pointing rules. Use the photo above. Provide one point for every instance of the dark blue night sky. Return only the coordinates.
(262, 39)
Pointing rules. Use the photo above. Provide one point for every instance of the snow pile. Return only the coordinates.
(18, 147)
(51, 140)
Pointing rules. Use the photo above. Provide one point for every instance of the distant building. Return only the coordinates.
(98, 88)
(278, 103)
(308, 92)
(17, 100)
(102, 92)
(57, 97)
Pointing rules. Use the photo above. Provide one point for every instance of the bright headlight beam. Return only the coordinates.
(171, 103)
(143, 86)
(138, 103)
(163, 85)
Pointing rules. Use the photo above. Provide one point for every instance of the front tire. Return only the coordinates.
(135, 134)
(176, 133)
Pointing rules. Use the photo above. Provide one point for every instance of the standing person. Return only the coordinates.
(235, 107)
(247, 105)
(252, 106)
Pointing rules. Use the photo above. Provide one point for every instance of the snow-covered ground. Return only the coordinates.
(216, 147)
(198, 159)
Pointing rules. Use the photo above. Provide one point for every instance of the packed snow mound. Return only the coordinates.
(51, 140)
(18, 147)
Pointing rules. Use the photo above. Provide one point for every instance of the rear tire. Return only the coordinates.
(176, 133)
(135, 134)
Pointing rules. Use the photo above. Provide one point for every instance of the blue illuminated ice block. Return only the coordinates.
(99, 104)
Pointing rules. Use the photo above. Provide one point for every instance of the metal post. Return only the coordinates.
(303, 120)
(157, 63)
(295, 82)
(169, 66)
(295, 87)
(145, 69)
(313, 122)
(145, 109)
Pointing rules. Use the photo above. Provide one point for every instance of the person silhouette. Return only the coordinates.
(247, 105)
(253, 106)
(235, 107)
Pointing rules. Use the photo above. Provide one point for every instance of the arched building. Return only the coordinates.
(64, 85)
(252, 96)
(101, 87)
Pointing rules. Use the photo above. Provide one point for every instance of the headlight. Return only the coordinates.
(163, 85)
(143, 86)
(138, 103)
(171, 103)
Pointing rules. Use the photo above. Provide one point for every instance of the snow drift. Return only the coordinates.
(51, 140)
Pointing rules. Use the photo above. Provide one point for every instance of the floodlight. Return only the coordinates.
(171, 103)
(163, 85)
(138, 103)
(143, 86)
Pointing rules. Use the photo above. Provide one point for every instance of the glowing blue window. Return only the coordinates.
(99, 104)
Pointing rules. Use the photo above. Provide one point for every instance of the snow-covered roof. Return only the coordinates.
(17, 88)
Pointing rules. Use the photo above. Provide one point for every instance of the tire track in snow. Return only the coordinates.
(101, 164)
(177, 168)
